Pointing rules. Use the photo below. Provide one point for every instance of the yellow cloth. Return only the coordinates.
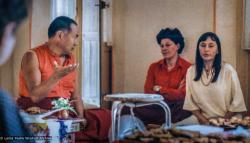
(217, 98)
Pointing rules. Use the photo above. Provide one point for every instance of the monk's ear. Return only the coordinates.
(59, 34)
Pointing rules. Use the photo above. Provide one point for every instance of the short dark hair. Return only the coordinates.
(172, 34)
(199, 61)
(12, 11)
(60, 23)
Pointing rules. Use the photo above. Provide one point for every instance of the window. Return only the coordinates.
(63, 8)
(91, 52)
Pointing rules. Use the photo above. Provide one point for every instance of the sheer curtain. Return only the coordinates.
(91, 52)
(63, 8)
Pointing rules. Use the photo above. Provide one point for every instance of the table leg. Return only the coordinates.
(167, 114)
(113, 121)
(120, 107)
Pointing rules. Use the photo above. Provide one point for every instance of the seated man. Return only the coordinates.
(48, 72)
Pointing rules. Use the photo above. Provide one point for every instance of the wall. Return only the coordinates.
(40, 22)
(242, 56)
(226, 14)
(118, 44)
(136, 24)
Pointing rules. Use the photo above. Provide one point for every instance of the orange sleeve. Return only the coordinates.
(149, 83)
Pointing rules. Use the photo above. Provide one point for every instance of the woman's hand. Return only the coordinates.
(200, 117)
(157, 88)
(229, 114)
(203, 120)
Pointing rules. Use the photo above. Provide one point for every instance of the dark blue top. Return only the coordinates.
(11, 124)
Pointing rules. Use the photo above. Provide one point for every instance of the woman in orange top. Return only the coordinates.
(167, 78)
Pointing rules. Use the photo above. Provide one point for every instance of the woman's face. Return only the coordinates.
(208, 50)
(168, 48)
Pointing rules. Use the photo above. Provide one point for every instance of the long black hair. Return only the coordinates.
(199, 61)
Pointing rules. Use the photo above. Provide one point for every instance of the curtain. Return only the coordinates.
(91, 52)
(63, 8)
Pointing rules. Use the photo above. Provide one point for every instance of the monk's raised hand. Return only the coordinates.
(61, 71)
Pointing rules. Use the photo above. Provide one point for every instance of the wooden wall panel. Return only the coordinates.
(242, 56)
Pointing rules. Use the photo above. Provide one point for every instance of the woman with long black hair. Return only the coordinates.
(212, 86)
